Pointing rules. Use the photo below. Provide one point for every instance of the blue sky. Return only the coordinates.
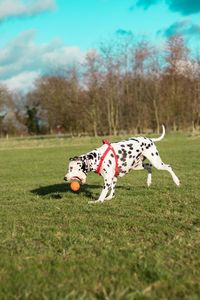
(40, 35)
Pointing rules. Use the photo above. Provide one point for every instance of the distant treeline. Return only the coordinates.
(124, 87)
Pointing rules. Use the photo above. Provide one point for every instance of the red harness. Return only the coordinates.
(110, 148)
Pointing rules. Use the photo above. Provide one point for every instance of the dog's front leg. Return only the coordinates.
(112, 192)
(106, 187)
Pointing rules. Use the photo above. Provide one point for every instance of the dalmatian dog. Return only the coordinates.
(117, 159)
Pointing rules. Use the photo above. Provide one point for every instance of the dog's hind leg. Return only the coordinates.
(156, 161)
(148, 167)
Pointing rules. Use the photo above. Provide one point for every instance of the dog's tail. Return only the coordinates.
(161, 137)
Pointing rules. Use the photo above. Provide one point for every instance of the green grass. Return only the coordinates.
(144, 244)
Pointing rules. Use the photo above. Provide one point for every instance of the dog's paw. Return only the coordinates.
(95, 201)
(109, 197)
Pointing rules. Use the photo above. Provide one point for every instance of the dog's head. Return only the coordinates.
(77, 169)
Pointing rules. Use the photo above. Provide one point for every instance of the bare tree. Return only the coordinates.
(177, 54)
(92, 80)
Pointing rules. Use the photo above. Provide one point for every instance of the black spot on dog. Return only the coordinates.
(119, 151)
(129, 152)
(156, 153)
(152, 154)
(124, 155)
(137, 150)
(148, 146)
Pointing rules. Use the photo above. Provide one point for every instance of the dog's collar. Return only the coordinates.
(109, 148)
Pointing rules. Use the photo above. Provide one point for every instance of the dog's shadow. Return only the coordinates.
(57, 191)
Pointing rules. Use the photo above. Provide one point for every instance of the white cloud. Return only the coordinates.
(23, 81)
(63, 56)
(22, 57)
(16, 8)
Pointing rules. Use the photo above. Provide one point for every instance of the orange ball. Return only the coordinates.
(75, 186)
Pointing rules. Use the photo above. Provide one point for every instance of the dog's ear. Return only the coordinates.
(90, 156)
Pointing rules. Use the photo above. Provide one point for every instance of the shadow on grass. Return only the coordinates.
(56, 191)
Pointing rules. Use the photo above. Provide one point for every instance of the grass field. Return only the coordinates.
(144, 244)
